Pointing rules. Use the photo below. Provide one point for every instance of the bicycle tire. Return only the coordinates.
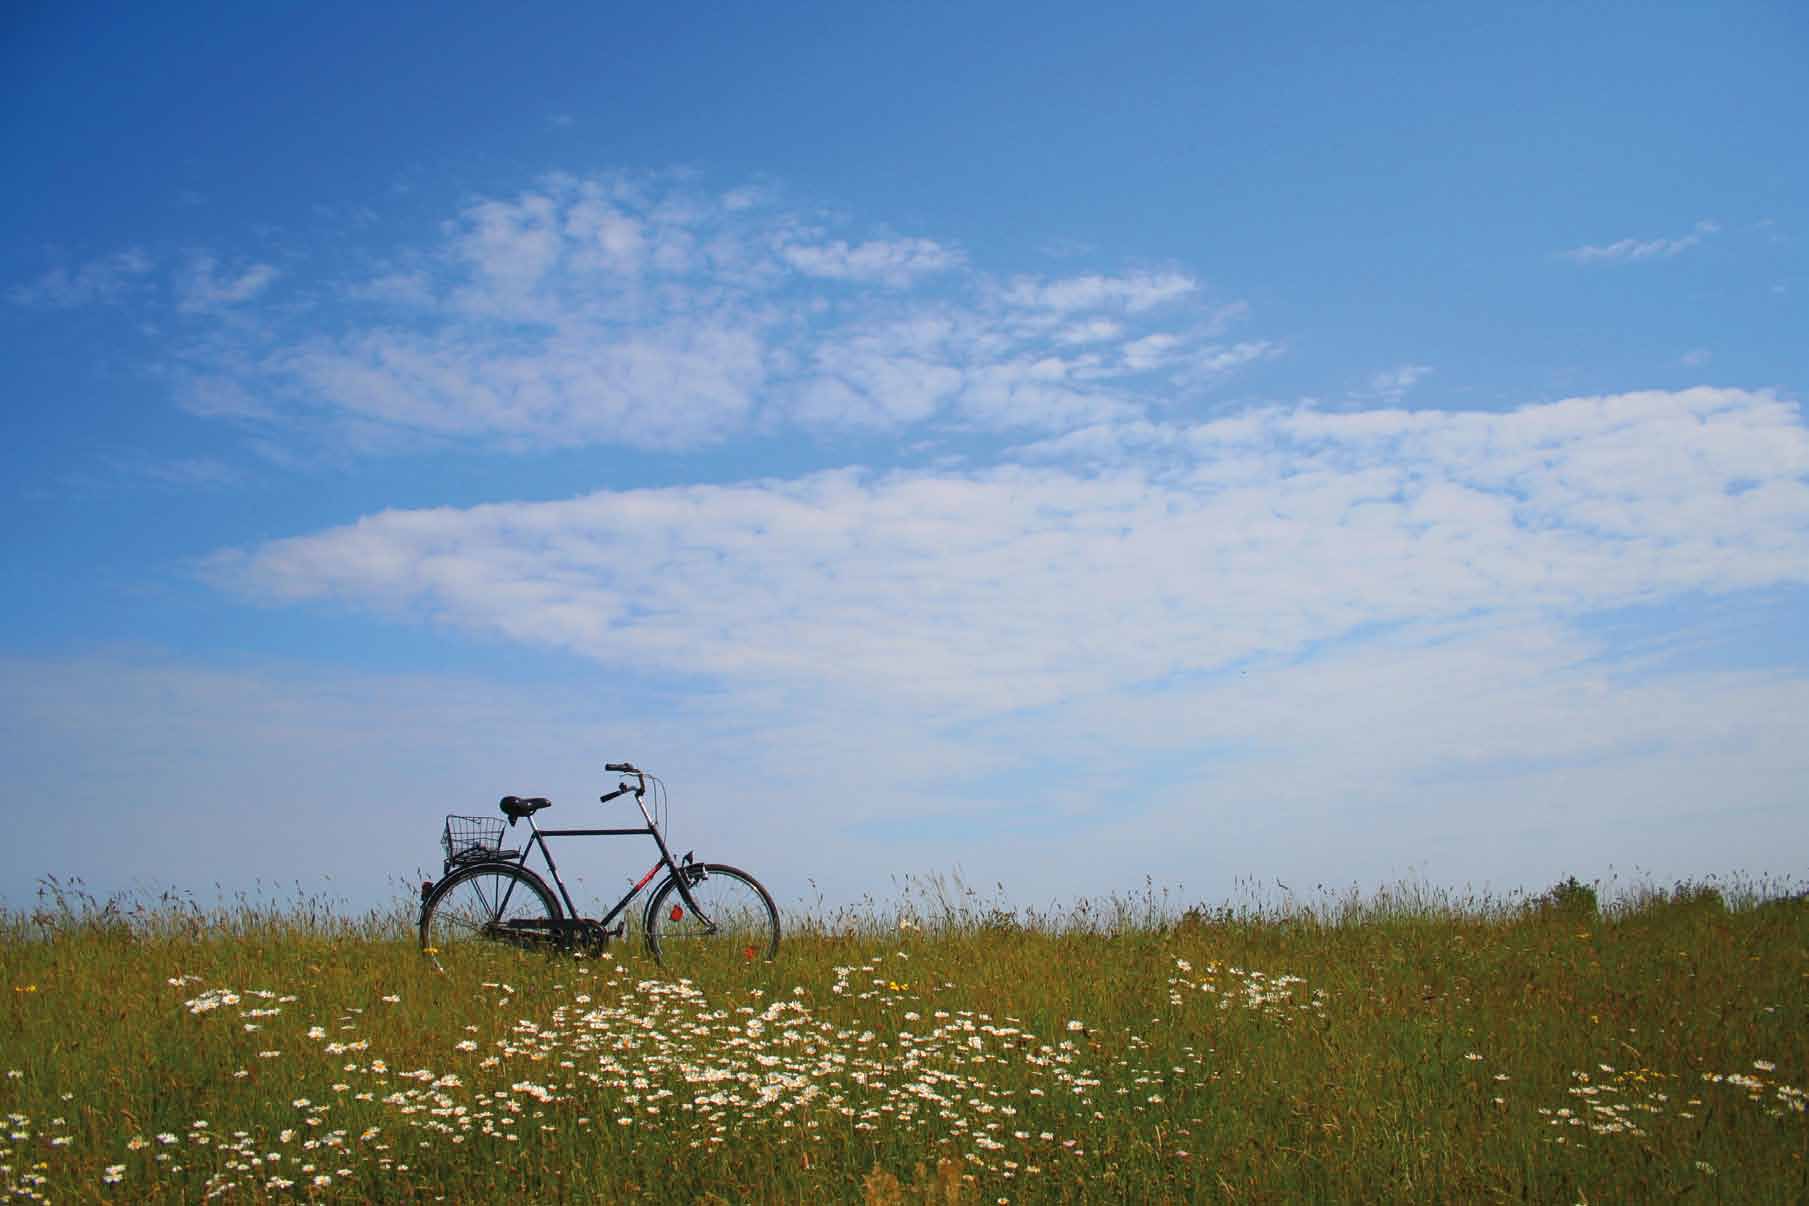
(743, 921)
(489, 903)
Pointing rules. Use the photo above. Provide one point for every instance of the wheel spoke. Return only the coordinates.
(496, 904)
(728, 916)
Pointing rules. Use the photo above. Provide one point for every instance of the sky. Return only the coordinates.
(1058, 449)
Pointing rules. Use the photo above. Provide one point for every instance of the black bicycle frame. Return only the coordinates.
(539, 836)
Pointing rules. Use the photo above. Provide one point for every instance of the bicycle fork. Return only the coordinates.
(689, 872)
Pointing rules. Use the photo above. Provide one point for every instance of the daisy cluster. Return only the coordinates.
(874, 1048)
(1278, 996)
(1611, 1101)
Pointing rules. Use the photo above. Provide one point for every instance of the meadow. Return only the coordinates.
(1404, 1045)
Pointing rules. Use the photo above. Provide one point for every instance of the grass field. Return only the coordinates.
(1404, 1046)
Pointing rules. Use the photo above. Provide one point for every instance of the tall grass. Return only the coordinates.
(940, 1046)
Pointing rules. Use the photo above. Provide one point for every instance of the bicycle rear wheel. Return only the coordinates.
(734, 920)
(491, 903)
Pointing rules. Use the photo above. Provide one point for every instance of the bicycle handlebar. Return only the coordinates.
(626, 768)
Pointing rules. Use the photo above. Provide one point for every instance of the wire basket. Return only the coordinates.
(470, 839)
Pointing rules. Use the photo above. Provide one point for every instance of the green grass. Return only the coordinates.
(1386, 1048)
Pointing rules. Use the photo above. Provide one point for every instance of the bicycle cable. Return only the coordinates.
(662, 804)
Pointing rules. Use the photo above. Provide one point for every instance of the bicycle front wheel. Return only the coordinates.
(728, 919)
(489, 903)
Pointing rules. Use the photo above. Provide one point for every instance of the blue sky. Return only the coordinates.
(1312, 443)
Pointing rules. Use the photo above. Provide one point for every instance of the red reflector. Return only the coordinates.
(678, 913)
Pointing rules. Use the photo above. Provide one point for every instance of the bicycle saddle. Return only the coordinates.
(517, 807)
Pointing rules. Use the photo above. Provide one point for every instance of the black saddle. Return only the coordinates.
(516, 807)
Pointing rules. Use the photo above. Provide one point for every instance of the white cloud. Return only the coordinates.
(1392, 385)
(887, 375)
(1634, 250)
(638, 311)
(673, 386)
(1018, 586)
(1133, 293)
(1215, 359)
(1140, 355)
(895, 262)
(1091, 330)
(105, 280)
(1345, 637)
(202, 289)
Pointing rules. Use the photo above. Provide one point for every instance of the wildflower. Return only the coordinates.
(393, 999)
(115, 1174)
(1472, 1056)
(1076, 1024)
(1764, 1065)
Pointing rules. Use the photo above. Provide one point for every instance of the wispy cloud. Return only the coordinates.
(894, 262)
(1392, 385)
(640, 311)
(1635, 250)
(104, 280)
(1133, 293)
(202, 288)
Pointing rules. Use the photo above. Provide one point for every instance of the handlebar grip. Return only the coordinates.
(626, 768)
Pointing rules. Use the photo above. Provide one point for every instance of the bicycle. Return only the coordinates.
(489, 894)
